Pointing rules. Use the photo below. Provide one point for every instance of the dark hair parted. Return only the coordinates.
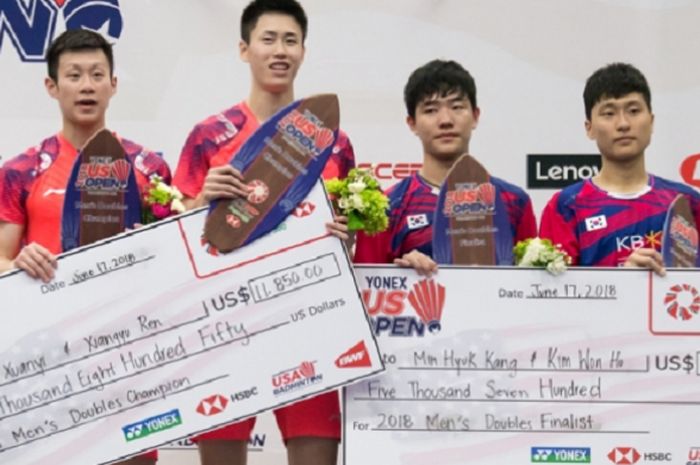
(441, 78)
(257, 8)
(614, 81)
(77, 40)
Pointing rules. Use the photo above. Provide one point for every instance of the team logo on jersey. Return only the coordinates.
(595, 223)
(386, 301)
(682, 301)
(30, 25)
(417, 221)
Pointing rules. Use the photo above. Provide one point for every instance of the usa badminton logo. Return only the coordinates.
(389, 302)
(29, 26)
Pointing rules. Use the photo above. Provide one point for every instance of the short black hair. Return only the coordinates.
(76, 40)
(438, 77)
(614, 81)
(257, 8)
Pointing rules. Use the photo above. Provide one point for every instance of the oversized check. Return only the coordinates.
(515, 366)
(150, 337)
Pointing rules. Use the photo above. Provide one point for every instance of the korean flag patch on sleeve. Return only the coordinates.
(417, 221)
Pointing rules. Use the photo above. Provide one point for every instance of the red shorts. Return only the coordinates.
(317, 417)
(149, 455)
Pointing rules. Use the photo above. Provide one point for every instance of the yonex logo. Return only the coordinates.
(155, 424)
(560, 455)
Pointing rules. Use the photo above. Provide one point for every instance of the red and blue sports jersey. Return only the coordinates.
(412, 204)
(215, 141)
(599, 229)
(33, 186)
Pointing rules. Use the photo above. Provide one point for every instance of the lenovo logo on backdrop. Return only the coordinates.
(557, 171)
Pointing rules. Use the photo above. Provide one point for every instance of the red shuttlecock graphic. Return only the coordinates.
(682, 301)
(487, 193)
(120, 170)
(324, 137)
(307, 369)
(428, 299)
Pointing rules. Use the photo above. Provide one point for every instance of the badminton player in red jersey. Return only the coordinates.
(272, 44)
(33, 184)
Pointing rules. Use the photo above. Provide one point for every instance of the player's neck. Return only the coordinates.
(622, 178)
(435, 169)
(79, 135)
(265, 104)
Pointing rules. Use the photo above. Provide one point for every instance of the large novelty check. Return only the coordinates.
(514, 366)
(151, 337)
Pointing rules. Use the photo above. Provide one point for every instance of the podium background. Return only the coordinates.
(177, 62)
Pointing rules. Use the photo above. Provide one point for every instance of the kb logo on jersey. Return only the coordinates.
(30, 25)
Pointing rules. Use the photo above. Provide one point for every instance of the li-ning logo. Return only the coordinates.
(685, 235)
(103, 175)
(31, 24)
(305, 132)
(682, 301)
(470, 199)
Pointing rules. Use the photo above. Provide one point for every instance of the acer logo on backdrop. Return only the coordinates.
(387, 170)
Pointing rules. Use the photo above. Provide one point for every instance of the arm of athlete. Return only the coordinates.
(646, 258)
(222, 182)
(33, 258)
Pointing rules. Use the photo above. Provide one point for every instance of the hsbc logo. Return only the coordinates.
(624, 456)
(630, 456)
(304, 209)
(558, 171)
(30, 25)
(690, 170)
(212, 405)
(244, 395)
(387, 171)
